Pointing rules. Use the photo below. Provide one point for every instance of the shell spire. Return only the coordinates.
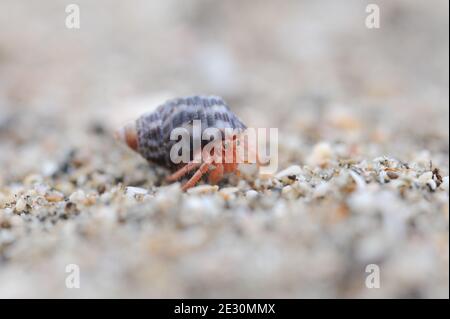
(128, 135)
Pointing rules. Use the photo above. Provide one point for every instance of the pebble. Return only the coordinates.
(289, 173)
(288, 192)
(392, 175)
(78, 197)
(203, 189)
(251, 194)
(70, 208)
(360, 182)
(229, 193)
(431, 184)
(21, 205)
(303, 188)
(263, 183)
(49, 168)
(54, 197)
(133, 191)
(425, 177)
(3, 200)
(321, 190)
(65, 187)
(198, 210)
(321, 155)
(383, 177)
(91, 199)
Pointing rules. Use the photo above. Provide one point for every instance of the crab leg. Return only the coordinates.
(196, 177)
(182, 171)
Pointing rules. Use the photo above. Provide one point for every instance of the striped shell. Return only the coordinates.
(153, 129)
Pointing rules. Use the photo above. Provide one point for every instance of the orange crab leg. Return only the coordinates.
(182, 171)
(196, 177)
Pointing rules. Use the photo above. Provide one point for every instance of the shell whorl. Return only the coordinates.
(153, 129)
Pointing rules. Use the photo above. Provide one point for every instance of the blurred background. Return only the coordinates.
(311, 68)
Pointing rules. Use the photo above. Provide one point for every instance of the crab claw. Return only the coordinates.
(128, 135)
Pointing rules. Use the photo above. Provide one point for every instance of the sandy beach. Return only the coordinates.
(363, 122)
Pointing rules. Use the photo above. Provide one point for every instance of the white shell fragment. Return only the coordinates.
(360, 182)
(21, 205)
(293, 171)
(133, 191)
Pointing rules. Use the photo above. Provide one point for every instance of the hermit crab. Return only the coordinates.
(151, 135)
